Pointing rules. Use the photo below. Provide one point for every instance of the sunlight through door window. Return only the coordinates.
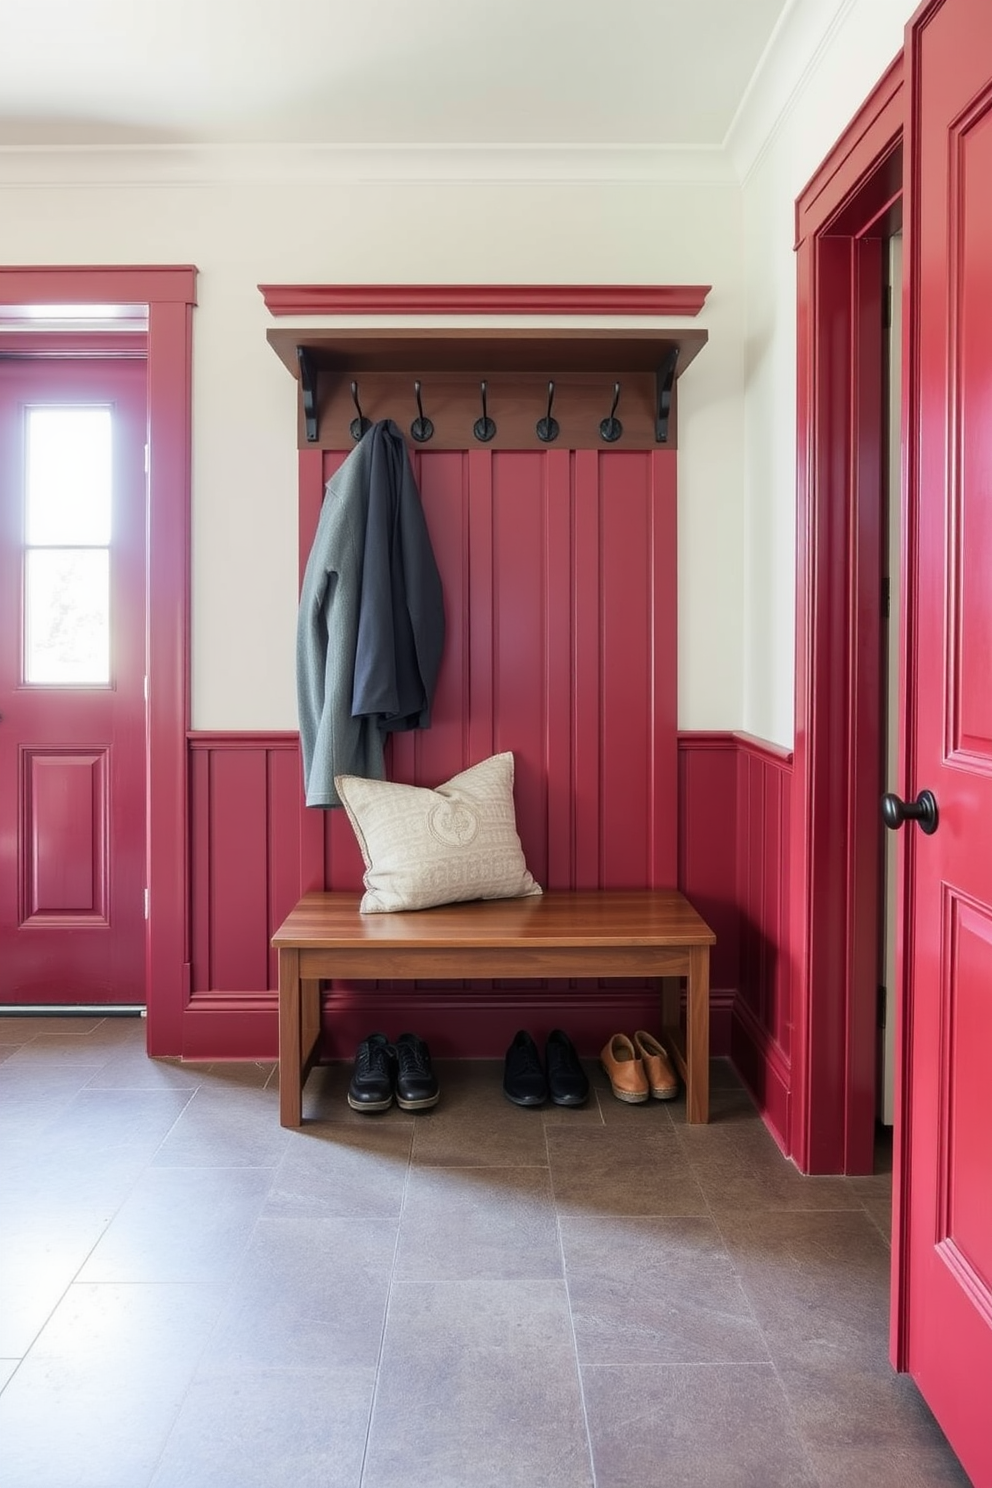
(67, 529)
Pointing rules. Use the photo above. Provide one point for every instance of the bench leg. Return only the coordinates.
(697, 1036)
(290, 1040)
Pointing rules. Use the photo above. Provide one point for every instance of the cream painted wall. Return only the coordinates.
(776, 155)
(242, 232)
(725, 218)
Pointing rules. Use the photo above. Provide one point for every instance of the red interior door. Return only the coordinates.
(947, 1188)
(72, 667)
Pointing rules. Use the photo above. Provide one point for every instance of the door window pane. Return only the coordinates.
(67, 616)
(69, 481)
(68, 501)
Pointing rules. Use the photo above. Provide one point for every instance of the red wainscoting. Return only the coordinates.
(253, 851)
(247, 849)
(734, 805)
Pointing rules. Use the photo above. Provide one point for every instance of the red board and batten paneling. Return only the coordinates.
(253, 850)
(558, 569)
(247, 853)
(734, 823)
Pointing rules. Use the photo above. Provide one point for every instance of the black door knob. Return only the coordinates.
(895, 811)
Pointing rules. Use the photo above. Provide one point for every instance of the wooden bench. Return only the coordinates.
(652, 933)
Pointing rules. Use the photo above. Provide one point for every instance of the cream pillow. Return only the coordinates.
(424, 847)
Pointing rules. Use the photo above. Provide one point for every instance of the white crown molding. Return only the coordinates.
(297, 165)
(805, 30)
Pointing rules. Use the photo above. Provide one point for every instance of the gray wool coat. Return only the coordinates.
(370, 629)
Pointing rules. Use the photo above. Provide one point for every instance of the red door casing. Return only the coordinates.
(72, 667)
(947, 1179)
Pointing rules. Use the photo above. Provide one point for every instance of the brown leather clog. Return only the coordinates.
(624, 1070)
(658, 1067)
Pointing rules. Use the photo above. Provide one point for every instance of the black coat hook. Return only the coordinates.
(421, 429)
(547, 428)
(484, 428)
(360, 425)
(611, 428)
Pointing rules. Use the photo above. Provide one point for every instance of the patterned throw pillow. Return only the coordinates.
(424, 847)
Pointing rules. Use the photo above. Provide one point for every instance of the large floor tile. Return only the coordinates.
(341, 1171)
(478, 1386)
(612, 1171)
(308, 1289)
(93, 1405)
(656, 1291)
(37, 1267)
(261, 1428)
(464, 1224)
(865, 1405)
(241, 1123)
(693, 1426)
(503, 1136)
(181, 1225)
(106, 1123)
(818, 1284)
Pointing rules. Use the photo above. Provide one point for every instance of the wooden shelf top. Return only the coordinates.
(415, 349)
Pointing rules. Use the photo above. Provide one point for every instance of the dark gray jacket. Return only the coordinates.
(370, 630)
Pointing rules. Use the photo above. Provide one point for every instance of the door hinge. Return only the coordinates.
(886, 598)
(886, 309)
(147, 896)
(883, 998)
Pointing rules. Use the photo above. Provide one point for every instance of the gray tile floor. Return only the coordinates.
(476, 1296)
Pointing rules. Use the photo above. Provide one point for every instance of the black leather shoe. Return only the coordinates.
(523, 1077)
(371, 1087)
(567, 1083)
(416, 1082)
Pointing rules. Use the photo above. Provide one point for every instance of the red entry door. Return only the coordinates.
(72, 667)
(947, 1183)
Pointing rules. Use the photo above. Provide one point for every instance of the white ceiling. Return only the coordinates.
(377, 72)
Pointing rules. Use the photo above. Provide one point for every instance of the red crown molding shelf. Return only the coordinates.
(484, 299)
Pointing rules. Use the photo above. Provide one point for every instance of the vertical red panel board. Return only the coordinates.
(239, 867)
(638, 742)
(520, 562)
(284, 846)
(707, 870)
(587, 721)
(762, 1031)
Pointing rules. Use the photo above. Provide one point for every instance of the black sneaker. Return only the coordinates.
(416, 1082)
(371, 1087)
(567, 1083)
(523, 1077)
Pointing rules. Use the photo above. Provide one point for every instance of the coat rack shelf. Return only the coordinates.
(510, 389)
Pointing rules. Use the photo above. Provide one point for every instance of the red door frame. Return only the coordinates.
(170, 294)
(834, 914)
